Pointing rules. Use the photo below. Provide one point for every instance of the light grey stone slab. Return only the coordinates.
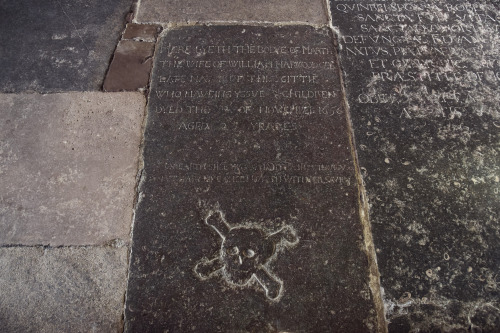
(309, 11)
(68, 164)
(62, 289)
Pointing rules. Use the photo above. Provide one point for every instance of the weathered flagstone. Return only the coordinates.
(62, 289)
(248, 217)
(311, 11)
(68, 165)
(131, 66)
(133, 58)
(53, 46)
(422, 80)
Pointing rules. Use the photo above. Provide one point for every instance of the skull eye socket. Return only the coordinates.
(233, 251)
(249, 253)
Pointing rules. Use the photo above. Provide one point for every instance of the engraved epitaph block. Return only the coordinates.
(423, 84)
(248, 216)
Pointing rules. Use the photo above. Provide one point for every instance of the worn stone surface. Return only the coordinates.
(310, 11)
(131, 66)
(68, 164)
(66, 45)
(248, 218)
(142, 32)
(423, 85)
(62, 289)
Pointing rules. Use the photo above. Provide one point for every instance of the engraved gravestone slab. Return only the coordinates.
(422, 81)
(247, 218)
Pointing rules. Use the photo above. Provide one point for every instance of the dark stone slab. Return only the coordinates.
(248, 217)
(131, 66)
(148, 32)
(50, 46)
(422, 80)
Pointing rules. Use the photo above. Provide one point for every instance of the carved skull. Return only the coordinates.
(243, 252)
(246, 250)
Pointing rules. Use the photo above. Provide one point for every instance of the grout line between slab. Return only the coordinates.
(136, 11)
(166, 25)
(374, 282)
(326, 9)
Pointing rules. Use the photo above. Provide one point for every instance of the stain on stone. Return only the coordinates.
(248, 219)
(422, 83)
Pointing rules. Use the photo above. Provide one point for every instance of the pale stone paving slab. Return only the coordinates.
(68, 166)
(160, 11)
(62, 289)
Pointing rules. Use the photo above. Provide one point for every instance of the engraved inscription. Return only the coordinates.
(423, 89)
(247, 150)
(425, 59)
(217, 88)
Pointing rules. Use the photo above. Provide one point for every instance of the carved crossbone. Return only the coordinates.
(245, 254)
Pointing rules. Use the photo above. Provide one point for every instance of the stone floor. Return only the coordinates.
(235, 166)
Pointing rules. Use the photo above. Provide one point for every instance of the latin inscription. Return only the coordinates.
(422, 80)
(427, 59)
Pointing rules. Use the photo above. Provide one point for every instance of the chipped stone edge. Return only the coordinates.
(374, 274)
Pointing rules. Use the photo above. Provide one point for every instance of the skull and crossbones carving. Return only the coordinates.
(245, 253)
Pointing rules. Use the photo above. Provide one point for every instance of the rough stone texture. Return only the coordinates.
(68, 164)
(248, 218)
(310, 11)
(62, 290)
(423, 85)
(147, 32)
(64, 45)
(131, 66)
